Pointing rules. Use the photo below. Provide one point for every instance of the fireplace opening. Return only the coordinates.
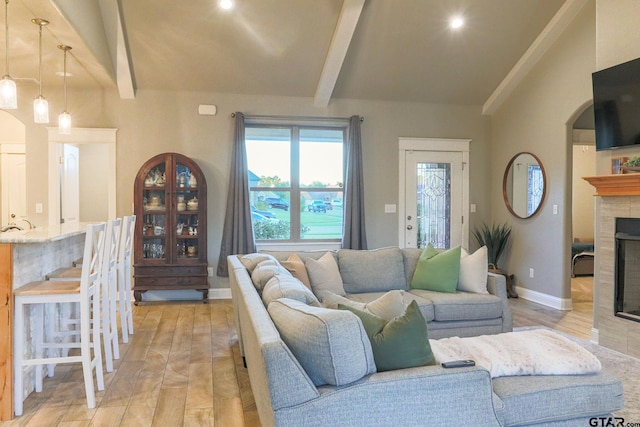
(627, 268)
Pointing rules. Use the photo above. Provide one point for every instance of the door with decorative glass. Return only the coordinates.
(435, 199)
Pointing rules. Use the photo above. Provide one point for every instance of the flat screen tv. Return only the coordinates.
(616, 105)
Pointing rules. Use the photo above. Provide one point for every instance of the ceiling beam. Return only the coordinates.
(342, 36)
(538, 48)
(99, 24)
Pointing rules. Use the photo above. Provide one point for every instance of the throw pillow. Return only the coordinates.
(331, 345)
(437, 271)
(399, 343)
(296, 267)
(251, 261)
(286, 286)
(387, 306)
(473, 271)
(324, 275)
(264, 271)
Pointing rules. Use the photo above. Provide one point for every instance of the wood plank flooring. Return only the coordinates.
(182, 367)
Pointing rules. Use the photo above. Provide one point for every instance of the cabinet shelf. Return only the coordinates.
(170, 261)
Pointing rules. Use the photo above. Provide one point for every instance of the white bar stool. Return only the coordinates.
(86, 292)
(107, 321)
(109, 292)
(124, 276)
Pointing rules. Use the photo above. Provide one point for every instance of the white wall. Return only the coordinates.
(583, 202)
(534, 118)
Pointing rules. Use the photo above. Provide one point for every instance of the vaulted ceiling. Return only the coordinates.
(389, 50)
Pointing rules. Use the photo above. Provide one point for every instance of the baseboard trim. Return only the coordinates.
(545, 299)
(220, 293)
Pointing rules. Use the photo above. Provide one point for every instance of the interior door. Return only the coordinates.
(433, 199)
(70, 203)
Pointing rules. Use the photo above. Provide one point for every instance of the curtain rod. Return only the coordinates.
(258, 117)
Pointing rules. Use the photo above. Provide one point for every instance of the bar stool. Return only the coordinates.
(86, 293)
(109, 292)
(124, 276)
(107, 321)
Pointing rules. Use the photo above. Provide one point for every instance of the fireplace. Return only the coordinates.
(627, 268)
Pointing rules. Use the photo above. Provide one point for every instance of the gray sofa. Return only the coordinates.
(339, 386)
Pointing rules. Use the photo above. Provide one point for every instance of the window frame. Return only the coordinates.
(295, 189)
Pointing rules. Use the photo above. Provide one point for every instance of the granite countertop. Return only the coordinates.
(43, 234)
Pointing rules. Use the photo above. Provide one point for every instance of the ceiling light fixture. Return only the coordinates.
(64, 119)
(40, 104)
(456, 22)
(8, 91)
(226, 4)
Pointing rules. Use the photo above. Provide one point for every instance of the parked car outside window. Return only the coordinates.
(317, 206)
(277, 203)
(266, 214)
(337, 203)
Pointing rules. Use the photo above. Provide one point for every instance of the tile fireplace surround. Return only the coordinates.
(617, 196)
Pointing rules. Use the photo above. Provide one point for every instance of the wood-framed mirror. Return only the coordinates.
(524, 185)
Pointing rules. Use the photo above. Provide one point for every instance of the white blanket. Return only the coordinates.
(533, 352)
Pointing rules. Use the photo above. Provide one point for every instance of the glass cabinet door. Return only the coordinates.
(154, 202)
(187, 213)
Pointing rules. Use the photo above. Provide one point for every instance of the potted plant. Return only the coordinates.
(496, 238)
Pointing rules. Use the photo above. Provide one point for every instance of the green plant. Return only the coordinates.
(633, 162)
(271, 230)
(495, 239)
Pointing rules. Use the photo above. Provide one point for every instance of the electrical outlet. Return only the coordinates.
(531, 273)
(555, 209)
(210, 271)
(38, 207)
(473, 207)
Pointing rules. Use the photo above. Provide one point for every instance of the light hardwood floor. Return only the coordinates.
(182, 367)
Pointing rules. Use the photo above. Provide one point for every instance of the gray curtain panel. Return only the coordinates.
(353, 232)
(237, 236)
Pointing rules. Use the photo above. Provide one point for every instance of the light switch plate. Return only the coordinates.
(38, 207)
(389, 208)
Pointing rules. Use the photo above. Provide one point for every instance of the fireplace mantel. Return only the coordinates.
(616, 185)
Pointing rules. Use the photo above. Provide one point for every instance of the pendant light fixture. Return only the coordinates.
(40, 104)
(8, 91)
(64, 119)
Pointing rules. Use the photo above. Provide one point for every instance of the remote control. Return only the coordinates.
(458, 364)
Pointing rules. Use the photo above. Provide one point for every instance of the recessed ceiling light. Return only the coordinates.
(456, 22)
(225, 4)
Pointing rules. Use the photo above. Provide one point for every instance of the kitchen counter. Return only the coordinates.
(27, 256)
(43, 234)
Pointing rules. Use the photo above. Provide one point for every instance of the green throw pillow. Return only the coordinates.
(437, 271)
(401, 342)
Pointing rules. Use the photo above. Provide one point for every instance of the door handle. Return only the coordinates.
(409, 227)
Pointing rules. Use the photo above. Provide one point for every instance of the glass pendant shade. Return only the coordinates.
(8, 94)
(64, 123)
(40, 110)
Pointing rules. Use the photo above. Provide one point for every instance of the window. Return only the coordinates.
(296, 176)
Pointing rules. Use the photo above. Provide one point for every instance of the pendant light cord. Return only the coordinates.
(65, 80)
(40, 60)
(6, 34)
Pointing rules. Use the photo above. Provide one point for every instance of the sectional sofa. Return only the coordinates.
(312, 366)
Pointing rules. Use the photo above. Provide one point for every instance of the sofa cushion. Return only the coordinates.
(283, 286)
(399, 343)
(251, 261)
(295, 266)
(387, 306)
(462, 305)
(324, 274)
(556, 397)
(264, 271)
(437, 271)
(331, 345)
(372, 271)
(473, 271)
(426, 306)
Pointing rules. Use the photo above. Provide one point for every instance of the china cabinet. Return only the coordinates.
(170, 246)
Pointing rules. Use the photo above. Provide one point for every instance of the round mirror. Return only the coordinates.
(524, 185)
